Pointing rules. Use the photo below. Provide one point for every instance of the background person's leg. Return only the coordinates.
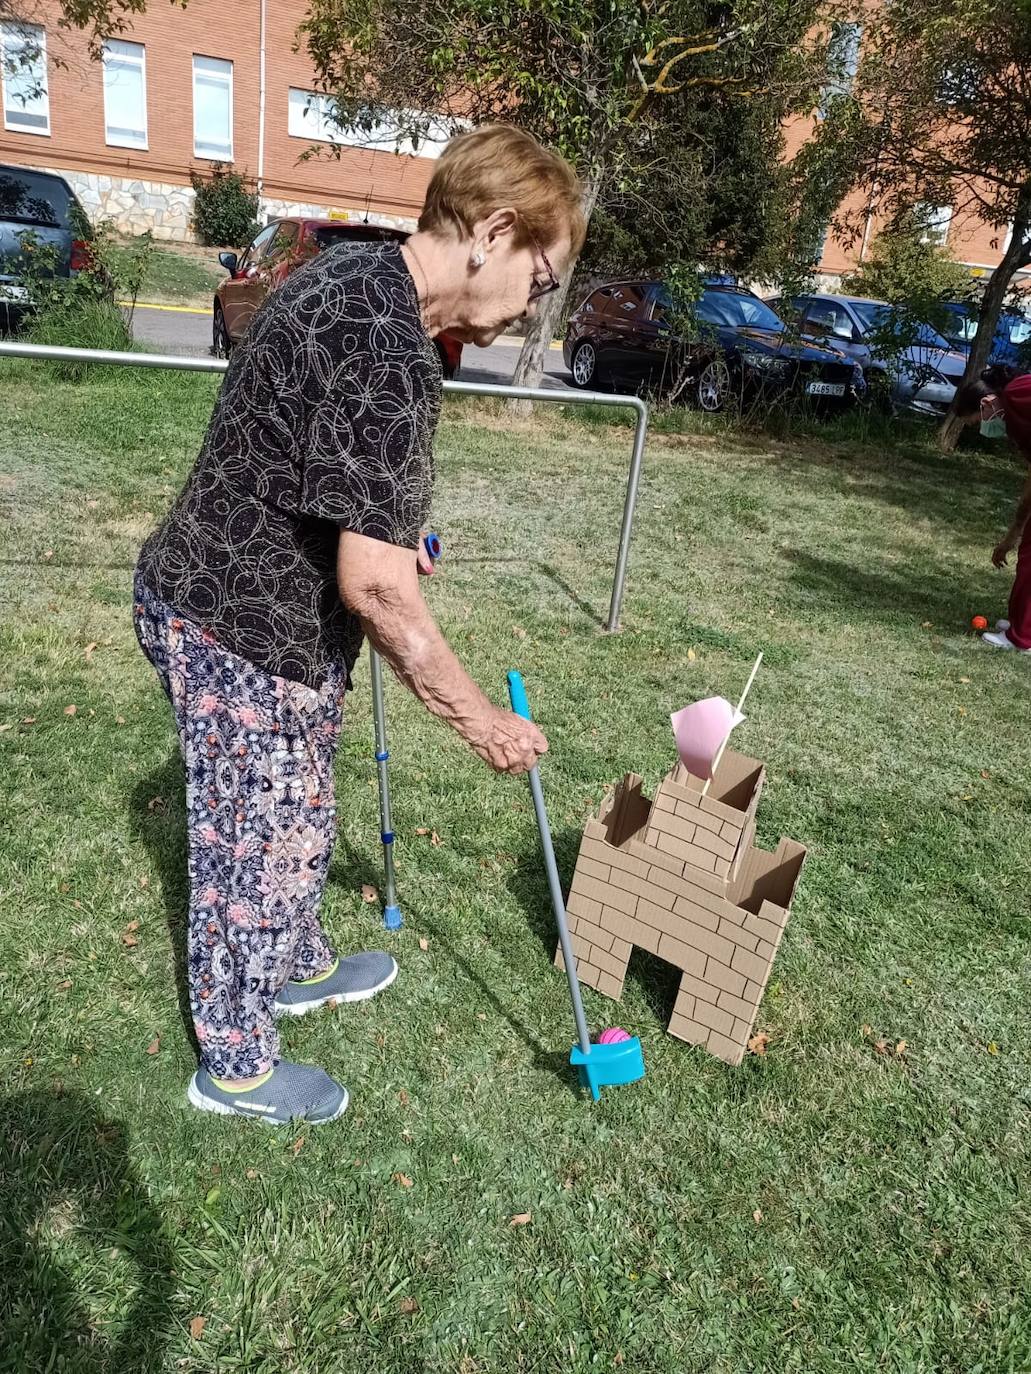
(1020, 597)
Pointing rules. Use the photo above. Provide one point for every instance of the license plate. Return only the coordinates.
(13, 293)
(825, 389)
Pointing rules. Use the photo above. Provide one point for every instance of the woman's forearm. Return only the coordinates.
(405, 633)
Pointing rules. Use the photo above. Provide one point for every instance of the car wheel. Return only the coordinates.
(221, 343)
(585, 365)
(714, 385)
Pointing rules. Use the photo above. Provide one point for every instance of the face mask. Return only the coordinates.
(993, 421)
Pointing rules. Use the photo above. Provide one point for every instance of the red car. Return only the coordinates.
(280, 247)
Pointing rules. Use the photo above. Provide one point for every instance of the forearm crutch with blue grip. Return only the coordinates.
(391, 911)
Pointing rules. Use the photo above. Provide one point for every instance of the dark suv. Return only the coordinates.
(620, 334)
(36, 207)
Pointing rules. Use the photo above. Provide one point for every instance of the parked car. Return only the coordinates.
(621, 334)
(921, 379)
(43, 207)
(1012, 333)
(281, 247)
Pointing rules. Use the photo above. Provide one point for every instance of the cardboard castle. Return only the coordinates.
(680, 876)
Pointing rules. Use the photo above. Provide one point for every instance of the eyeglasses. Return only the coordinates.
(542, 286)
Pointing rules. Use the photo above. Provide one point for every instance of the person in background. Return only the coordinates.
(299, 533)
(1000, 400)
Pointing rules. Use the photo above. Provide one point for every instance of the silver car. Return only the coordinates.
(920, 379)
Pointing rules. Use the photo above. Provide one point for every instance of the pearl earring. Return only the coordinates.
(478, 258)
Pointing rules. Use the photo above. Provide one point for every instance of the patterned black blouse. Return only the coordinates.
(324, 422)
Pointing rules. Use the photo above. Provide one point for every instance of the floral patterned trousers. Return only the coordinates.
(261, 816)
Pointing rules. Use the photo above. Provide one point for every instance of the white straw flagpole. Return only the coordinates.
(740, 705)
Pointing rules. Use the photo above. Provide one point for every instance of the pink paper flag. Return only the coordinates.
(700, 731)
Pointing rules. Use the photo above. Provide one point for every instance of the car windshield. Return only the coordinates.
(729, 309)
(875, 315)
(328, 234)
(28, 198)
(735, 310)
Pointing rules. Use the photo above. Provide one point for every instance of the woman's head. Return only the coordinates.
(508, 211)
(986, 387)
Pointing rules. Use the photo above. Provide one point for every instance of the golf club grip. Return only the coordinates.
(517, 695)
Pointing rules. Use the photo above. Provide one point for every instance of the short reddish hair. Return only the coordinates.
(499, 165)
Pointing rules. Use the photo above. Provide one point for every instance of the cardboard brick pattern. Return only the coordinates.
(644, 879)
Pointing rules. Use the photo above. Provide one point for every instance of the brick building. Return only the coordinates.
(967, 239)
(185, 88)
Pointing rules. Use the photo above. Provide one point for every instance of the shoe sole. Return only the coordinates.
(302, 1008)
(204, 1103)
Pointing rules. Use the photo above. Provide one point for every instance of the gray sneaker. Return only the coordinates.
(292, 1092)
(354, 979)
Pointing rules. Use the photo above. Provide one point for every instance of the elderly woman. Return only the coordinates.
(1000, 399)
(298, 534)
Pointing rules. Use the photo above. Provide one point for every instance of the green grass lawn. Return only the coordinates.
(823, 1208)
(177, 277)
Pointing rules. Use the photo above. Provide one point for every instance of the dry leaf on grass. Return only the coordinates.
(422, 830)
(900, 1050)
(48, 554)
(404, 1180)
(424, 944)
(89, 651)
(8, 726)
(618, 1358)
(28, 720)
(154, 1045)
(369, 893)
(881, 1046)
(408, 1306)
(298, 1146)
(197, 1327)
(64, 985)
(119, 720)
(403, 1098)
(757, 1216)
(521, 1219)
(156, 804)
(70, 710)
(128, 935)
(252, 1173)
(691, 655)
(435, 839)
(758, 1042)
(518, 631)
(92, 503)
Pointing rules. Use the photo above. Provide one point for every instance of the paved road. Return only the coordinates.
(189, 334)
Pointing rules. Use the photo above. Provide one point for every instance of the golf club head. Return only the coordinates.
(606, 1066)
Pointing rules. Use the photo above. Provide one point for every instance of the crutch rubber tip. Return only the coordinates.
(392, 918)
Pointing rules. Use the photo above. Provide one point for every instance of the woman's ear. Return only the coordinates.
(500, 225)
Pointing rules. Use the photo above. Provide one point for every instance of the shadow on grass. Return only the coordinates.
(70, 1196)
(940, 596)
(546, 570)
(161, 826)
(352, 870)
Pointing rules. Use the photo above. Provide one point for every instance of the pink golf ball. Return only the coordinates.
(614, 1036)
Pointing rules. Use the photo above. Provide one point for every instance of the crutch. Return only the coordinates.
(391, 911)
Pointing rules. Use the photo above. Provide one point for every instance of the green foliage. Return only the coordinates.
(225, 212)
(904, 267)
(80, 310)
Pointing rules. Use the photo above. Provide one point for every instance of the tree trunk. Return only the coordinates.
(529, 368)
(1016, 256)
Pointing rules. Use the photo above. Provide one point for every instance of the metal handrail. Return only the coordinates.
(175, 362)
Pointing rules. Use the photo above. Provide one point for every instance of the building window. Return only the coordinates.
(934, 221)
(23, 66)
(842, 63)
(213, 109)
(125, 94)
(312, 116)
